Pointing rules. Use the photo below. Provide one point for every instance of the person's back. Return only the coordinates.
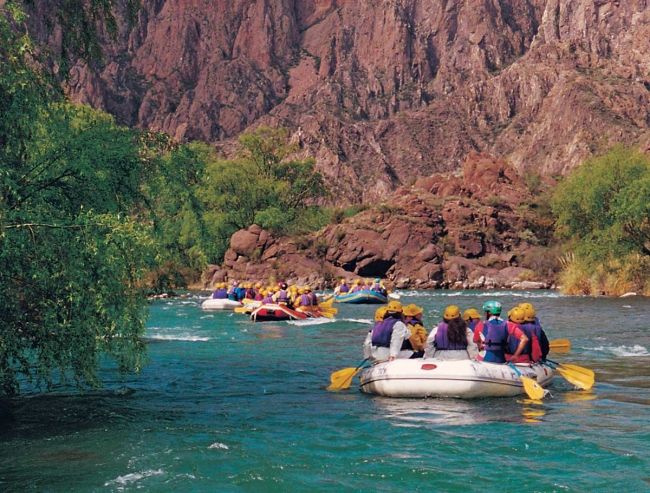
(413, 320)
(451, 339)
(384, 341)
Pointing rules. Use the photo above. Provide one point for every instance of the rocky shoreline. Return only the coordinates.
(477, 229)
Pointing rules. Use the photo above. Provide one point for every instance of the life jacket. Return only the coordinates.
(496, 335)
(382, 332)
(343, 288)
(250, 293)
(355, 289)
(283, 296)
(441, 341)
(313, 298)
(241, 293)
(376, 288)
(232, 294)
(258, 297)
(304, 300)
(472, 325)
(267, 301)
(366, 287)
(220, 294)
(534, 333)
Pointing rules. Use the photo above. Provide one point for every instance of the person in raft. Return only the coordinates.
(220, 292)
(384, 341)
(342, 288)
(451, 339)
(494, 335)
(532, 323)
(413, 320)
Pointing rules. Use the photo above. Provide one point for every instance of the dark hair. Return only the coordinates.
(457, 331)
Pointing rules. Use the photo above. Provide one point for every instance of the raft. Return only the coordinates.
(361, 297)
(219, 304)
(273, 312)
(463, 379)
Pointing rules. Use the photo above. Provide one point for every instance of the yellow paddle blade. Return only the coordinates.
(579, 369)
(343, 378)
(578, 379)
(560, 345)
(242, 309)
(327, 303)
(534, 390)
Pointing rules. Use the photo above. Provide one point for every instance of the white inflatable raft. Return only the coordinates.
(465, 379)
(220, 304)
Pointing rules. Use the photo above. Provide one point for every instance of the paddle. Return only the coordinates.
(560, 345)
(243, 309)
(343, 378)
(532, 388)
(394, 296)
(582, 378)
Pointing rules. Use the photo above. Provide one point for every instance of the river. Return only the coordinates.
(228, 405)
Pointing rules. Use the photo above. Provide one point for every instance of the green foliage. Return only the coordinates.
(260, 187)
(72, 257)
(604, 205)
(603, 211)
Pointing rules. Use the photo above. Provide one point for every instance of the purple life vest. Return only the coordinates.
(442, 342)
(382, 332)
(220, 294)
(343, 288)
(529, 328)
(304, 300)
(267, 301)
(283, 296)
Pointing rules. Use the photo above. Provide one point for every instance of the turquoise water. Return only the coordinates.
(227, 405)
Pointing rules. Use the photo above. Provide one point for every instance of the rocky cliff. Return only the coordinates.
(382, 92)
(474, 229)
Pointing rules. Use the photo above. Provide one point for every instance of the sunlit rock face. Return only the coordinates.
(382, 92)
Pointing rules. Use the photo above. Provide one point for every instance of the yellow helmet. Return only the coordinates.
(412, 310)
(471, 314)
(523, 306)
(343, 281)
(258, 284)
(394, 306)
(529, 314)
(379, 314)
(516, 315)
(451, 312)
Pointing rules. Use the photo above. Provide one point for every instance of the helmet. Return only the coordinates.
(379, 314)
(235, 283)
(283, 285)
(258, 284)
(525, 305)
(377, 280)
(451, 312)
(529, 314)
(307, 288)
(343, 281)
(276, 289)
(470, 314)
(394, 306)
(356, 281)
(493, 307)
(517, 315)
(412, 310)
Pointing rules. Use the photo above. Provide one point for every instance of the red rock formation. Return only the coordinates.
(384, 93)
(423, 239)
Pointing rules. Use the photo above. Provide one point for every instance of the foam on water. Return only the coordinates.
(178, 337)
(135, 476)
(311, 321)
(625, 351)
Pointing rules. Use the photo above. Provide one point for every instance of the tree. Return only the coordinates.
(72, 257)
(263, 186)
(603, 206)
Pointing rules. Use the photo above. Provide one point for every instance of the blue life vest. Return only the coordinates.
(232, 294)
(472, 325)
(382, 332)
(496, 340)
(442, 342)
(529, 329)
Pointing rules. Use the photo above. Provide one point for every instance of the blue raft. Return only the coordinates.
(362, 297)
